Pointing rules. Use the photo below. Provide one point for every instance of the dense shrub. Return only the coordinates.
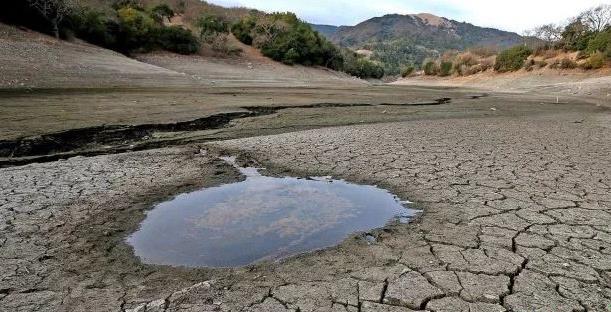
(210, 26)
(131, 29)
(408, 70)
(162, 11)
(243, 29)
(175, 39)
(595, 61)
(601, 42)
(364, 68)
(512, 59)
(136, 30)
(576, 36)
(445, 68)
(283, 37)
(301, 45)
(430, 68)
(95, 27)
(19, 12)
(397, 54)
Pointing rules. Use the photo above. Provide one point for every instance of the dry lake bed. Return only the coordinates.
(514, 194)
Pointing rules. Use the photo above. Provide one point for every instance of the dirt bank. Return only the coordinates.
(31, 60)
(593, 86)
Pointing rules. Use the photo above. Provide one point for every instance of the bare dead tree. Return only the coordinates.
(598, 18)
(268, 29)
(549, 33)
(54, 11)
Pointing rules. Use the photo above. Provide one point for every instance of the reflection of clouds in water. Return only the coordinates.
(273, 206)
(258, 218)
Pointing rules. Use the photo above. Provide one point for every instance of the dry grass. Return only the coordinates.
(470, 62)
(545, 54)
(478, 60)
(484, 52)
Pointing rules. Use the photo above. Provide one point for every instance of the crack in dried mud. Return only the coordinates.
(111, 139)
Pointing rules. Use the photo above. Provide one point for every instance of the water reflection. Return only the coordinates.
(260, 218)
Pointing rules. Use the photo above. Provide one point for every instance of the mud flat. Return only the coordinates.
(63, 123)
(515, 192)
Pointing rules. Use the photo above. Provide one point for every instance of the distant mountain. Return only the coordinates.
(326, 30)
(398, 40)
(425, 29)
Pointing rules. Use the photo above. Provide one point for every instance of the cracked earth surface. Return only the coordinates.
(517, 212)
(517, 217)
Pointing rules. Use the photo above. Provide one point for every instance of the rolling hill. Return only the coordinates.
(398, 40)
(326, 30)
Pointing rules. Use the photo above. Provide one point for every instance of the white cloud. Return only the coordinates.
(513, 15)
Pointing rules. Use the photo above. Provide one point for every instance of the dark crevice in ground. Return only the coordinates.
(384, 289)
(83, 138)
(439, 101)
(477, 96)
(112, 139)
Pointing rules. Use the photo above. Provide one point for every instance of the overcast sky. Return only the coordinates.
(513, 15)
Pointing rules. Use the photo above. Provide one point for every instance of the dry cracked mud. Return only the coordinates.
(516, 217)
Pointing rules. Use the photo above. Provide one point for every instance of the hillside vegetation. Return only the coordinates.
(185, 26)
(404, 41)
(585, 42)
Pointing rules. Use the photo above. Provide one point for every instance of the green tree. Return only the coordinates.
(135, 4)
(576, 36)
(135, 29)
(211, 26)
(243, 29)
(601, 42)
(95, 27)
(176, 39)
(162, 11)
(361, 67)
(54, 11)
(285, 38)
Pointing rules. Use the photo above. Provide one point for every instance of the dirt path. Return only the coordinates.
(516, 217)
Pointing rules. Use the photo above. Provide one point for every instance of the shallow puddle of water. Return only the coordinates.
(261, 218)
